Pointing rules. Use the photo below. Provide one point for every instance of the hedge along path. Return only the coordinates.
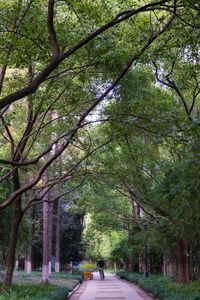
(110, 288)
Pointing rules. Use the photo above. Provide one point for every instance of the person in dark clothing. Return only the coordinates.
(101, 266)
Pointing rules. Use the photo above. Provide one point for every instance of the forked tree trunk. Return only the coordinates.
(58, 221)
(45, 254)
(183, 276)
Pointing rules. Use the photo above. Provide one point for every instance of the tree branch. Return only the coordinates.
(171, 84)
(31, 88)
(9, 135)
(51, 30)
(26, 187)
(68, 174)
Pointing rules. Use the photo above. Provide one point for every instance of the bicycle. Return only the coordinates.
(101, 273)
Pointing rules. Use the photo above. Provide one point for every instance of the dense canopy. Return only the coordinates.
(99, 124)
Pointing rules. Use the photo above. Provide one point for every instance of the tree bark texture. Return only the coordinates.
(169, 265)
(45, 254)
(28, 252)
(141, 262)
(2, 75)
(12, 245)
(183, 276)
(58, 221)
(16, 263)
(10, 258)
(28, 261)
(50, 197)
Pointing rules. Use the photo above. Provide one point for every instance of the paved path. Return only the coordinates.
(110, 288)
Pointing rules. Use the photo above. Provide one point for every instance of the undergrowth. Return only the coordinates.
(164, 288)
(27, 289)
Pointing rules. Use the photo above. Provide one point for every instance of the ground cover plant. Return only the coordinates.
(164, 288)
(27, 286)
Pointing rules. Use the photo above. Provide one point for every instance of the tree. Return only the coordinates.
(44, 74)
(149, 162)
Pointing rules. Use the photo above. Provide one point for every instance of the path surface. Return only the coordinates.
(110, 288)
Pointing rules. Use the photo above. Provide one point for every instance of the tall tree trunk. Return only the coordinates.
(18, 213)
(28, 261)
(16, 262)
(45, 256)
(115, 266)
(50, 227)
(3, 258)
(146, 260)
(136, 215)
(183, 276)
(11, 252)
(28, 252)
(141, 262)
(58, 221)
(10, 257)
(169, 265)
(165, 265)
(12, 245)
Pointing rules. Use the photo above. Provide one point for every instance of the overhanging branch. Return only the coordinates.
(33, 86)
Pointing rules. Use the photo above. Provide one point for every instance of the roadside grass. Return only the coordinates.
(164, 288)
(26, 292)
(28, 286)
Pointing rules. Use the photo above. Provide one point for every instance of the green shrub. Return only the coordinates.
(77, 272)
(26, 289)
(164, 288)
(57, 293)
(26, 292)
(88, 267)
(65, 275)
(35, 292)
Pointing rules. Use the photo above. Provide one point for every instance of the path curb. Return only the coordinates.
(74, 290)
